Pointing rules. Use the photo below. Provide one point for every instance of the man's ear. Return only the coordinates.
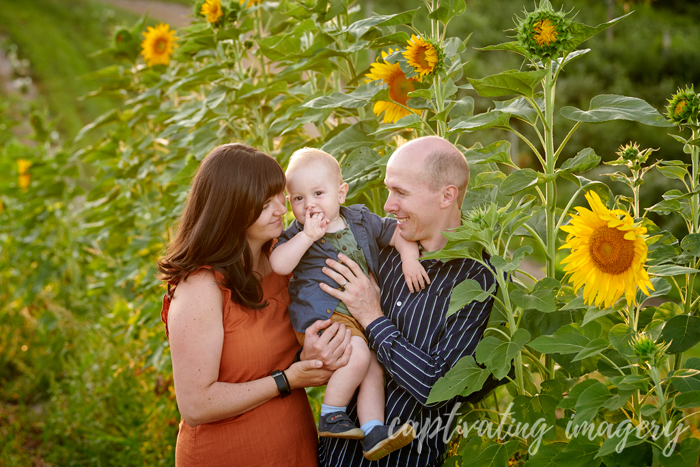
(342, 192)
(449, 196)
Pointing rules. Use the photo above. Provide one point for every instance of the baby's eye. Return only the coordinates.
(318, 193)
(297, 198)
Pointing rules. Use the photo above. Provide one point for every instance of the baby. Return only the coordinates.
(323, 228)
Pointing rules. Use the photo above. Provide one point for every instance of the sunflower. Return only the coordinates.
(684, 107)
(212, 10)
(24, 177)
(607, 254)
(421, 55)
(399, 87)
(158, 45)
(545, 33)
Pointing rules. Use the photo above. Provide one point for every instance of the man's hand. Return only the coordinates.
(332, 347)
(359, 293)
(415, 275)
(315, 225)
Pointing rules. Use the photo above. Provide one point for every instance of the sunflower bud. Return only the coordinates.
(647, 350)
(684, 107)
(545, 34)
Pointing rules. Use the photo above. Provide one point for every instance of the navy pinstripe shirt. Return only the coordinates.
(416, 345)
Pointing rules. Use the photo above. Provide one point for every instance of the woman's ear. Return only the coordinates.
(343, 191)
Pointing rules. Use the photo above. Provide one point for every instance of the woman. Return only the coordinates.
(226, 318)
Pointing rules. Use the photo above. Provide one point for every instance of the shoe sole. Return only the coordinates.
(350, 434)
(396, 441)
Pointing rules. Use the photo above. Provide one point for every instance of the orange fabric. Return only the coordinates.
(351, 323)
(280, 431)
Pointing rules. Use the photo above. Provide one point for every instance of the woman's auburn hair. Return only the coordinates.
(227, 196)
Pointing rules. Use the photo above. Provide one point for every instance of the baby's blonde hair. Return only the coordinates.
(304, 156)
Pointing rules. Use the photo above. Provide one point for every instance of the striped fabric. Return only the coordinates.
(416, 345)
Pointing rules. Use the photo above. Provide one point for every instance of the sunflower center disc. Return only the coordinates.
(399, 89)
(160, 46)
(420, 58)
(610, 251)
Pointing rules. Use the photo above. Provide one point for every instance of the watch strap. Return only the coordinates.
(282, 383)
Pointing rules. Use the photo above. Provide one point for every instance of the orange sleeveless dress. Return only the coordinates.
(280, 431)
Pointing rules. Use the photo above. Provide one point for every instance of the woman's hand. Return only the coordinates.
(332, 347)
(307, 373)
(359, 293)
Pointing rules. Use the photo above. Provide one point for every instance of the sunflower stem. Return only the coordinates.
(503, 285)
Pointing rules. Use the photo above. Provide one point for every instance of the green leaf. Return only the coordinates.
(688, 400)
(352, 137)
(507, 46)
(582, 32)
(494, 152)
(691, 244)
(464, 378)
(593, 348)
(497, 354)
(544, 457)
(569, 402)
(495, 455)
(512, 264)
(541, 300)
(670, 270)
(620, 337)
(518, 181)
(667, 206)
(519, 108)
(466, 292)
(608, 107)
(511, 82)
(409, 121)
(683, 332)
(674, 173)
(360, 27)
(594, 313)
(661, 288)
(590, 401)
(360, 97)
(686, 455)
(580, 452)
(448, 9)
(480, 122)
(688, 379)
(584, 161)
(613, 443)
(561, 342)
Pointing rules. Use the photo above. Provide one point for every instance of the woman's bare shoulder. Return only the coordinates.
(199, 292)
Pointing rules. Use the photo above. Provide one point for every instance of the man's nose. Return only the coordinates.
(390, 205)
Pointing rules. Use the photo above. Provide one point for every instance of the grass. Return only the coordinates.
(58, 38)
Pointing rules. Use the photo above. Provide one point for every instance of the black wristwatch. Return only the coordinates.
(297, 356)
(282, 383)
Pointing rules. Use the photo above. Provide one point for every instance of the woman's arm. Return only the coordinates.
(196, 340)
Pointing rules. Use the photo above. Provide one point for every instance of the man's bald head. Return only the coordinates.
(440, 162)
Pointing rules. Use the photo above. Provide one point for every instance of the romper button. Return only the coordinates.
(338, 235)
(344, 248)
(323, 241)
(329, 311)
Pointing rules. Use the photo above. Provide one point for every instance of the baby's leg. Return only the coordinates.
(345, 380)
(370, 400)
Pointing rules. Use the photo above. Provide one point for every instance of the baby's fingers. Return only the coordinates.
(409, 283)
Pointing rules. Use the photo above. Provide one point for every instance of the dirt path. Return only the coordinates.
(175, 14)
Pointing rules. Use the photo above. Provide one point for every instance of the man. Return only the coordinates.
(414, 341)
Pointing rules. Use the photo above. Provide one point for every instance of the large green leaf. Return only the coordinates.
(585, 160)
(409, 121)
(494, 152)
(544, 457)
(608, 107)
(507, 46)
(464, 378)
(686, 455)
(540, 300)
(466, 292)
(493, 119)
(352, 137)
(621, 442)
(683, 332)
(448, 9)
(494, 455)
(691, 244)
(670, 270)
(512, 264)
(592, 349)
(590, 401)
(567, 340)
(580, 452)
(360, 27)
(620, 337)
(519, 181)
(582, 32)
(519, 108)
(498, 354)
(508, 83)
(688, 400)
(356, 99)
